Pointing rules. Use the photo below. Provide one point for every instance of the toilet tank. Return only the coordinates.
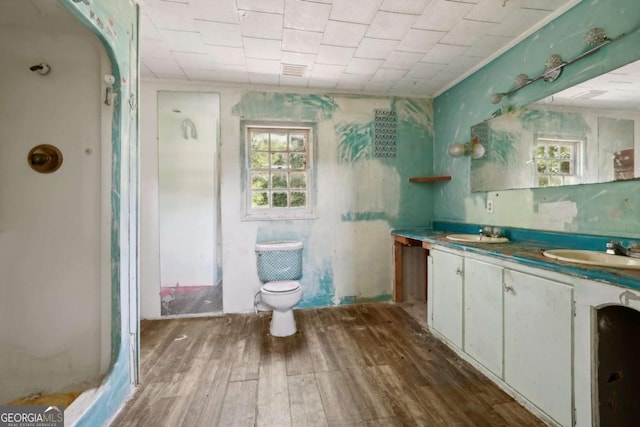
(279, 261)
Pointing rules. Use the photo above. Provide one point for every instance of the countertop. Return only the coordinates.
(529, 252)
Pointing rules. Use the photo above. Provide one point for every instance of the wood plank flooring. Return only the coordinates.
(358, 365)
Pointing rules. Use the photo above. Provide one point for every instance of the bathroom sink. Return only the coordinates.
(600, 259)
(476, 238)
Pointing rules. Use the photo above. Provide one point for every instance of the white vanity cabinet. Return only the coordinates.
(446, 292)
(538, 315)
(514, 321)
(483, 314)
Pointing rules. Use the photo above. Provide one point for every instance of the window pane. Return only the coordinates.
(259, 160)
(541, 165)
(298, 180)
(259, 141)
(555, 181)
(565, 152)
(278, 142)
(540, 151)
(280, 200)
(279, 180)
(278, 160)
(554, 166)
(543, 181)
(298, 199)
(259, 199)
(565, 167)
(298, 160)
(259, 180)
(297, 141)
(553, 152)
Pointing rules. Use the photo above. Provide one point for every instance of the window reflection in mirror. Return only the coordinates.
(585, 134)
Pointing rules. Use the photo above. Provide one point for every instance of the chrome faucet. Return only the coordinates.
(615, 247)
(490, 232)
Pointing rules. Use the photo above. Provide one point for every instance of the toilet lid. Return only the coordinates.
(281, 286)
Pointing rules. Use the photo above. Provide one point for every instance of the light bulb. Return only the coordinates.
(456, 149)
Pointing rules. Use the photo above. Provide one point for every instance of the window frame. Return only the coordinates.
(576, 144)
(273, 213)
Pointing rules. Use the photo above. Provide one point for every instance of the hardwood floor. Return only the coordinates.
(357, 365)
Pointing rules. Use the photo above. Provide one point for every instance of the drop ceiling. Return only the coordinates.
(393, 47)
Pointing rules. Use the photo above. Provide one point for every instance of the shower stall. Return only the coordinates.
(58, 310)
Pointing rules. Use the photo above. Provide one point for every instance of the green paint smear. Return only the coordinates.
(414, 112)
(289, 106)
(320, 292)
(359, 300)
(363, 216)
(554, 122)
(355, 141)
(501, 146)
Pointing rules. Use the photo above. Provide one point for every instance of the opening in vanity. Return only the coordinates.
(617, 369)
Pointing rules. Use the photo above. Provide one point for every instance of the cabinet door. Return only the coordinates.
(483, 314)
(447, 296)
(538, 342)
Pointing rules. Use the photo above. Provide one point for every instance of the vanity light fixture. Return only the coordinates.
(595, 38)
(473, 149)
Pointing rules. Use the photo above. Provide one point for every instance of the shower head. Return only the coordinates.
(41, 68)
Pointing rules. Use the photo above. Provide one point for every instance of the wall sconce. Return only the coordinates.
(473, 149)
(595, 38)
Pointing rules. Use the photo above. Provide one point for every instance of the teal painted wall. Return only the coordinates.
(358, 196)
(611, 208)
(115, 23)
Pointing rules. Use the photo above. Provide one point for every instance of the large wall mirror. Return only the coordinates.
(588, 133)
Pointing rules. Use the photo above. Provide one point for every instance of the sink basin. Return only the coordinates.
(476, 238)
(600, 259)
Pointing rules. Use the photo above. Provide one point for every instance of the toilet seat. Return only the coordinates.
(281, 287)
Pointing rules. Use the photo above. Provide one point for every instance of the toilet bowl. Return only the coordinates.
(282, 296)
(279, 267)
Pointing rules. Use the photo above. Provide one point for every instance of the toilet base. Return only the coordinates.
(283, 323)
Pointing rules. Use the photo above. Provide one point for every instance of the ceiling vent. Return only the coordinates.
(293, 70)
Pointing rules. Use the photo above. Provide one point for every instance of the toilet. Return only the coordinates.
(279, 268)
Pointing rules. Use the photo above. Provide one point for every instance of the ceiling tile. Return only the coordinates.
(548, 5)
(294, 81)
(307, 59)
(492, 11)
(392, 26)
(200, 74)
(193, 60)
(324, 71)
(386, 74)
(154, 49)
(304, 15)
(145, 72)
(442, 15)
(220, 33)
(272, 6)
(414, 7)
(265, 66)
(181, 41)
(264, 79)
(466, 32)
(375, 48)
(261, 48)
(402, 60)
(334, 55)
(521, 19)
(358, 11)
(443, 53)
(461, 64)
(221, 11)
(381, 87)
(363, 66)
(147, 29)
(235, 76)
(172, 16)
(261, 25)
(301, 41)
(163, 66)
(419, 40)
(487, 45)
(323, 82)
(343, 34)
(226, 55)
(352, 82)
(425, 70)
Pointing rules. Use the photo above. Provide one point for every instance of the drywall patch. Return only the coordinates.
(320, 292)
(555, 215)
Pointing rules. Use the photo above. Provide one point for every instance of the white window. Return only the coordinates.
(279, 171)
(557, 160)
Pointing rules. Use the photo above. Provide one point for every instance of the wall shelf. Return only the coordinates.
(430, 178)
